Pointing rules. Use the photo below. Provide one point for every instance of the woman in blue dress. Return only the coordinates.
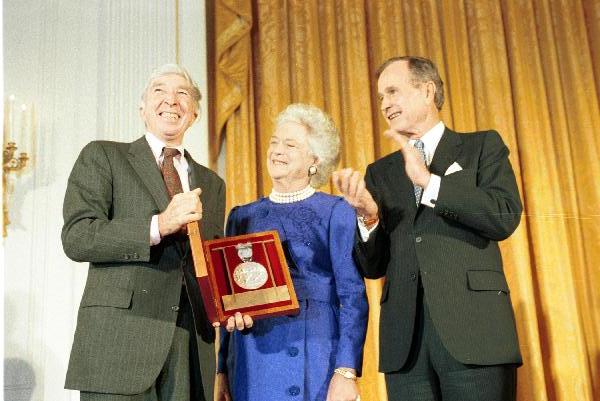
(317, 354)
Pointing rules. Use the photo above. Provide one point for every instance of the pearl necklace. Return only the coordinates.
(290, 197)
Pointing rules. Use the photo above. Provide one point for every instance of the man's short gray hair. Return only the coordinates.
(168, 69)
(323, 137)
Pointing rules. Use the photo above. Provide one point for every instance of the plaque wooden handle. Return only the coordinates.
(200, 268)
(195, 237)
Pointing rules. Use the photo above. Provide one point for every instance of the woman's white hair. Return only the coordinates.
(323, 137)
(168, 69)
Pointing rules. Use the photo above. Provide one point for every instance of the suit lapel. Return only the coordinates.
(199, 179)
(142, 160)
(196, 179)
(399, 183)
(446, 152)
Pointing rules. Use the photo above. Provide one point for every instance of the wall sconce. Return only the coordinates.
(21, 130)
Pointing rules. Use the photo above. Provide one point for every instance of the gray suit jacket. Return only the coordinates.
(129, 308)
(452, 248)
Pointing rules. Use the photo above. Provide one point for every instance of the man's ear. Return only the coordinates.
(430, 88)
(141, 110)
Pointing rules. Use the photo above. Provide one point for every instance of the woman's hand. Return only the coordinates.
(237, 321)
(353, 188)
(222, 388)
(342, 389)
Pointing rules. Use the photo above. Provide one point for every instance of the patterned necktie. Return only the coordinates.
(420, 146)
(170, 175)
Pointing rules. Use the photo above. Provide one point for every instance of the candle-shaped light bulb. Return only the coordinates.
(31, 133)
(22, 131)
(5, 128)
(11, 133)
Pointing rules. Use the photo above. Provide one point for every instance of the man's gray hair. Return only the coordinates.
(168, 69)
(323, 137)
(422, 70)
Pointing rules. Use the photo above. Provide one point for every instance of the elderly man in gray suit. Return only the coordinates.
(142, 333)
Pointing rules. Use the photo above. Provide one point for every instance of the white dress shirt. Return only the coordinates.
(182, 167)
(430, 139)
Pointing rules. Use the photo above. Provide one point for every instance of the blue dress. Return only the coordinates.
(293, 357)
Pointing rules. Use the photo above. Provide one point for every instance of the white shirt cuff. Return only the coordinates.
(154, 231)
(365, 233)
(431, 191)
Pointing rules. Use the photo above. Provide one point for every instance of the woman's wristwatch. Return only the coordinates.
(347, 373)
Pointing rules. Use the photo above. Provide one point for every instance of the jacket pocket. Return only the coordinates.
(107, 296)
(487, 280)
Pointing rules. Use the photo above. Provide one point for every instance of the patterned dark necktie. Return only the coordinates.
(172, 180)
(420, 146)
(170, 175)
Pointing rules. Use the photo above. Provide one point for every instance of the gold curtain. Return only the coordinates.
(528, 68)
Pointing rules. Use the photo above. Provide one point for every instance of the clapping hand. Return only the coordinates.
(352, 186)
(415, 168)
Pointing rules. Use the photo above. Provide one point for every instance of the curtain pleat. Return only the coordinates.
(529, 69)
(577, 149)
(591, 10)
(233, 110)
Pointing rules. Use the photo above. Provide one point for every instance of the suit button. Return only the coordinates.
(126, 256)
(292, 351)
(136, 256)
(307, 243)
(294, 390)
(175, 308)
(413, 276)
(418, 239)
(144, 291)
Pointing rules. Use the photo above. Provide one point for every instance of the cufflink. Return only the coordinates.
(368, 223)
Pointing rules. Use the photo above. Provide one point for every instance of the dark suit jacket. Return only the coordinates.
(453, 247)
(129, 307)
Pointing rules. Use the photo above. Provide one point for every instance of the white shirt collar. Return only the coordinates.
(431, 139)
(156, 145)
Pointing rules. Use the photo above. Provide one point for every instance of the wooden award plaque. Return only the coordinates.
(245, 273)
